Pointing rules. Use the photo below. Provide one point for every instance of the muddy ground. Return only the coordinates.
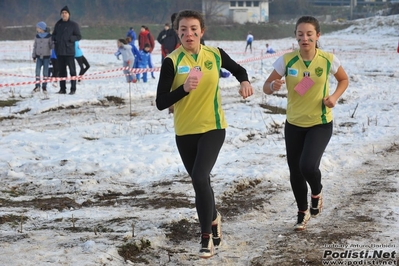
(363, 210)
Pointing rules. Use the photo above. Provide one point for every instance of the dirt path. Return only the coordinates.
(361, 214)
(362, 211)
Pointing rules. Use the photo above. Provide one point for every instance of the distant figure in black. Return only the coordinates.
(66, 33)
(168, 40)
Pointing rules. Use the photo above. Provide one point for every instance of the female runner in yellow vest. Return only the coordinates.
(189, 80)
(309, 123)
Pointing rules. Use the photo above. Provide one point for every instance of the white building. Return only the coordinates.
(236, 11)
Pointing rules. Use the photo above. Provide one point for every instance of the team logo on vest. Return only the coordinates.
(208, 64)
(319, 71)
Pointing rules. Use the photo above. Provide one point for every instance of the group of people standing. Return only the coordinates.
(141, 58)
(54, 53)
(189, 80)
(59, 50)
(136, 58)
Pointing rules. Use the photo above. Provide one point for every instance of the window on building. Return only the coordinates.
(233, 3)
(248, 3)
(256, 3)
(240, 3)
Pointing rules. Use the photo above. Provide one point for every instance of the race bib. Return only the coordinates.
(195, 73)
(303, 86)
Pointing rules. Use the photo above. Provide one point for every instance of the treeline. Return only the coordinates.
(110, 19)
(213, 32)
(123, 12)
(92, 12)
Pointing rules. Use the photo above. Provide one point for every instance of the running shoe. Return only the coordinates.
(217, 230)
(207, 249)
(303, 218)
(317, 204)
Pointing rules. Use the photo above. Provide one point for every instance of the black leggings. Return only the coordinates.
(305, 147)
(199, 153)
(55, 72)
(83, 64)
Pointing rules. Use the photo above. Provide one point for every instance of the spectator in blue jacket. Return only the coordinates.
(132, 34)
(135, 51)
(145, 62)
(82, 61)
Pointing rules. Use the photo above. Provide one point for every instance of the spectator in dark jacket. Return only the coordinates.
(168, 40)
(66, 33)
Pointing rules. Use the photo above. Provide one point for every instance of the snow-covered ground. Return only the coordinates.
(84, 176)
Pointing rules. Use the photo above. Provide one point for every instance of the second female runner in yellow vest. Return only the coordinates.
(309, 123)
(189, 80)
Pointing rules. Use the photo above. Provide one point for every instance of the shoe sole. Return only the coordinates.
(301, 228)
(207, 255)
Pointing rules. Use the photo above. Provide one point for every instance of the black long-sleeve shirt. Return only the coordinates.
(166, 97)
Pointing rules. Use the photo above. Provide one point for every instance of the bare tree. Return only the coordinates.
(213, 10)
